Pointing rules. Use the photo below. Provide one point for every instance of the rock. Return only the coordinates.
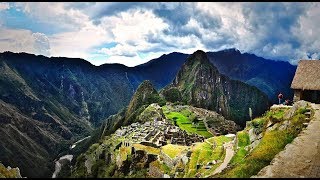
(284, 125)
(254, 144)
(166, 176)
(231, 136)
(252, 135)
(269, 124)
(185, 159)
(295, 107)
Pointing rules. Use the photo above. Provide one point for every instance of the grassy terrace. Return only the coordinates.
(243, 141)
(204, 153)
(273, 141)
(184, 120)
(173, 150)
(148, 149)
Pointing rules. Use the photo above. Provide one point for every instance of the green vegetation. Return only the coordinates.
(219, 140)
(205, 152)
(145, 95)
(173, 150)
(148, 149)
(271, 144)
(243, 141)
(184, 120)
(150, 113)
(244, 165)
(275, 115)
(171, 94)
(124, 152)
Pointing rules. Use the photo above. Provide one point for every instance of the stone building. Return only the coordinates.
(306, 81)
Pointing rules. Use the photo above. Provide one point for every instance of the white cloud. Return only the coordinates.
(285, 31)
(19, 40)
(41, 43)
(54, 14)
(78, 43)
(4, 6)
(307, 30)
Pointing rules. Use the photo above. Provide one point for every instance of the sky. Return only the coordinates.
(134, 33)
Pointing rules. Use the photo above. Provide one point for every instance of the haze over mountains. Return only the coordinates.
(50, 102)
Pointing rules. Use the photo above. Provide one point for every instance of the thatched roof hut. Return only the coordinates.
(306, 81)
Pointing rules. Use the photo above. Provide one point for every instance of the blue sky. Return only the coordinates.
(133, 33)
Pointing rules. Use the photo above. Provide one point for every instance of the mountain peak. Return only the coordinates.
(199, 55)
(146, 94)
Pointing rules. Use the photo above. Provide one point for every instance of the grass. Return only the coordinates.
(165, 168)
(274, 141)
(243, 141)
(184, 121)
(271, 144)
(124, 152)
(219, 140)
(148, 149)
(173, 150)
(204, 153)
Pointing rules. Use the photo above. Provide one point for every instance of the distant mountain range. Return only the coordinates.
(47, 103)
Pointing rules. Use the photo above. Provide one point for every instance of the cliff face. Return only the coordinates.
(201, 85)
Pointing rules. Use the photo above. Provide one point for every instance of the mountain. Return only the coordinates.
(51, 102)
(269, 76)
(145, 95)
(201, 85)
(159, 71)
(48, 103)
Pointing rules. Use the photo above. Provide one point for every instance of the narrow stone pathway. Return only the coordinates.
(301, 158)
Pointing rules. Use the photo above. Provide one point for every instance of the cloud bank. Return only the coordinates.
(133, 33)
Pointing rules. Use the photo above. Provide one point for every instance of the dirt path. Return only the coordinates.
(229, 154)
(301, 158)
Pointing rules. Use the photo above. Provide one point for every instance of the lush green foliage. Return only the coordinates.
(185, 123)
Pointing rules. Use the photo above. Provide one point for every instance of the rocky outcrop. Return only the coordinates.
(300, 159)
(9, 172)
(145, 95)
(151, 113)
(201, 85)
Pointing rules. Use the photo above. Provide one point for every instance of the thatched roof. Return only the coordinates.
(307, 75)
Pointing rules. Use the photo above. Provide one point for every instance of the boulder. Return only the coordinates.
(300, 104)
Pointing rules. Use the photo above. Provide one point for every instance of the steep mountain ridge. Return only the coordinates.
(201, 85)
(269, 76)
